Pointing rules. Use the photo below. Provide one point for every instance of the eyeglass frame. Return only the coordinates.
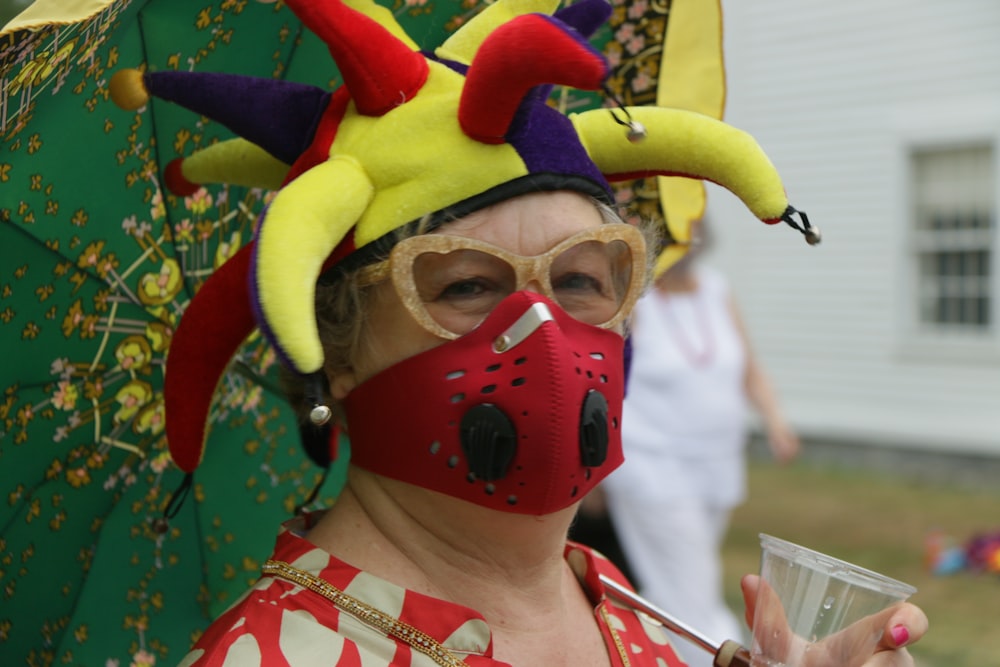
(398, 268)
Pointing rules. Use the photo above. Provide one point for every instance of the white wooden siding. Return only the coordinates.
(838, 93)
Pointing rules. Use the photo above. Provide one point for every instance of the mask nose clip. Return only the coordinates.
(534, 317)
(594, 435)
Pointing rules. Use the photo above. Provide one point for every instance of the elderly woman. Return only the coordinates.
(474, 287)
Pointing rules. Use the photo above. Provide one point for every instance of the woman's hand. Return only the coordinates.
(895, 627)
(784, 442)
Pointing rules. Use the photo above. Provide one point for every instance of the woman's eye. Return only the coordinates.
(579, 282)
(466, 289)
(461, 277)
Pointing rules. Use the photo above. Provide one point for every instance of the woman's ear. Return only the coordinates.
(341, 383)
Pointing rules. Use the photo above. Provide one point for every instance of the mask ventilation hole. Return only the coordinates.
(454, 375)
(489, 441)
(597, 355)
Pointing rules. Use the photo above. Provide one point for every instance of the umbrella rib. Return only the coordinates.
(291, 51)
(140, 23)
(37, 241)
(118, 283)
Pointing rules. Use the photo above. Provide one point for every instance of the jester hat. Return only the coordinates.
(409, 133)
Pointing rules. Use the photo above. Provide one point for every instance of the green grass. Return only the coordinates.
(880, 522)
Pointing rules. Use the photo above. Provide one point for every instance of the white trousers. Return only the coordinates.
(674, 551)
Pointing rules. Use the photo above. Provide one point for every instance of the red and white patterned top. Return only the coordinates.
(278, 623)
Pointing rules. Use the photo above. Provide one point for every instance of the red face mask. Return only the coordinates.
(523, 414)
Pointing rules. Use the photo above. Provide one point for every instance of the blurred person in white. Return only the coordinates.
(693, 379)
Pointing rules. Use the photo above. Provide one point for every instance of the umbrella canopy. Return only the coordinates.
(99, 263)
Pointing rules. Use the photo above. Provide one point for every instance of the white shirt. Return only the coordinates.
(685, 415)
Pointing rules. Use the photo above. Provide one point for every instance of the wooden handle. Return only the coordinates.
(731, 654)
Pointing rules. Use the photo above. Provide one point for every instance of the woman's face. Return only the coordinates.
(526, 225)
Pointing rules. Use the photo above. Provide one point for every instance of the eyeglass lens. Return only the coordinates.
(458, 289)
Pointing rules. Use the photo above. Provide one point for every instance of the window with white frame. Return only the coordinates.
(954, 216)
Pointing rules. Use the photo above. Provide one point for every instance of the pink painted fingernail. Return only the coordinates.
(900, 635)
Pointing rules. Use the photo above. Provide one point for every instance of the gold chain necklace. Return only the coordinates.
(367, 614)
(386, 624)
(619, 645)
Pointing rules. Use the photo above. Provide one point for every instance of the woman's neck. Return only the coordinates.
(508, 567)
(444, 547)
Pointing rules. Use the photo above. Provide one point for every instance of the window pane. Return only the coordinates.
(953, 217)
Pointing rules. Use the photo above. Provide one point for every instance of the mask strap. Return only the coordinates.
(161, 524)
(315, 391)
(301, 507)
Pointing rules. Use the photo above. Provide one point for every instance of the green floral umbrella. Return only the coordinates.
(98, 264)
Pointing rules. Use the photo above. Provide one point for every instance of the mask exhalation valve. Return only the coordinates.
(489, 441)
(594, 429)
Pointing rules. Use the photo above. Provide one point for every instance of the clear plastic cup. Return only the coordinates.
(815, 610)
